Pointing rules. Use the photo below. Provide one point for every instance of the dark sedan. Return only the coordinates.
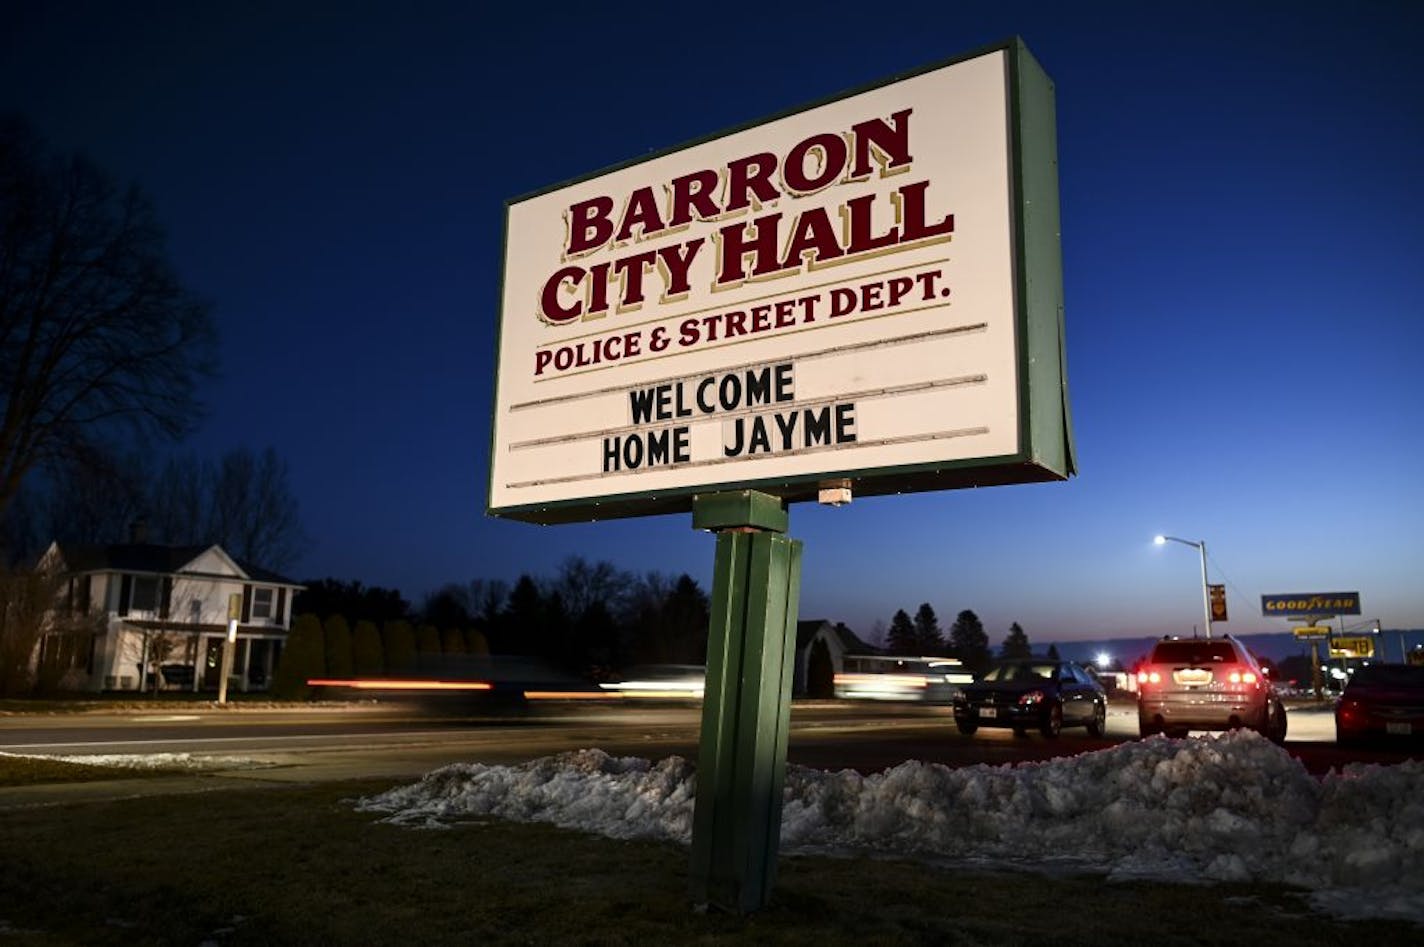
(1033, 694)
(1381, 700)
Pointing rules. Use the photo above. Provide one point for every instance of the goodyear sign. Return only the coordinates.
(1299, 604)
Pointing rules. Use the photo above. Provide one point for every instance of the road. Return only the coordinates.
(398, 741)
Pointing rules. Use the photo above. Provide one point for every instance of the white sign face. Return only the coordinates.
(827, 294)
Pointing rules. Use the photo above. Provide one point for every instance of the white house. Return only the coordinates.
(164, 609)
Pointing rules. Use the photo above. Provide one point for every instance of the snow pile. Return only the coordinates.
(187, 762)
(1229, 808)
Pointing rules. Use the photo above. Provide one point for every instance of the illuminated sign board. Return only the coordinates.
(1352, 647)
(1302, 604)
(867, 289)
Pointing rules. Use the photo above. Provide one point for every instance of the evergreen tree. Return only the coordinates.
(303, 658)
(901, 637)
(339, 663)
(524, 619)
(367, 655)
(398, 639)
(928, 638)
(1016, 644)
(1053, 652)
(970, 643)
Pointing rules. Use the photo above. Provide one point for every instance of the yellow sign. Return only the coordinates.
(1352, 648)
(234, 606)
(1218, 602)
(1311, 631)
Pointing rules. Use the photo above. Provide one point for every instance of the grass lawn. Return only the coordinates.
(297, 865)
(34, 771)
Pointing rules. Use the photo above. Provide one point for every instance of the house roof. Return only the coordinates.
(850, 641)
(150, 557)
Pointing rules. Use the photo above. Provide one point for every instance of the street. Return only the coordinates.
(341, 741)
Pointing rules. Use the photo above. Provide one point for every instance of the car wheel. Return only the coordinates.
(1146, 727)
(966, 727)
(1276, 728)
(1098, 723)
(1052, 721)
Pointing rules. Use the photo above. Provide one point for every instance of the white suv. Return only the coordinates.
(1206, 684)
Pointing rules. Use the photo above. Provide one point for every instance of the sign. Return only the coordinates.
(1362, 647)
(867, 289)
(1305, 604)
(1311, 631)
(1218, 602)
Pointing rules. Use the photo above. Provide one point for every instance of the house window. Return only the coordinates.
(262, 603)
(144, 597)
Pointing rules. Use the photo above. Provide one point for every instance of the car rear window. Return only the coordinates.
(1193, 652)
(1390, 675)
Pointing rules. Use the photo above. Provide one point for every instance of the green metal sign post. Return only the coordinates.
(741, 766)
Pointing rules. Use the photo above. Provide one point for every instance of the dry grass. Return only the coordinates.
(300, 866)
(34, 771)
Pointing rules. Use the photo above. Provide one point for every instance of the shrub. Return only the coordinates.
(303, 658)
(339, 663)
(399, 640)
(366, 652)
(476, 642)
(452, 641)
(428, 640)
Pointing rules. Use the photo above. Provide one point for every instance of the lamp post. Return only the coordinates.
(1206, 592)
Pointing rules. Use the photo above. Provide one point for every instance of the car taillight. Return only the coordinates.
(1031, 697)
(1242, 677)
(1350, 709)
(1149, 677)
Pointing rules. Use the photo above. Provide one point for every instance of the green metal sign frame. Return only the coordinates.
(746, 710)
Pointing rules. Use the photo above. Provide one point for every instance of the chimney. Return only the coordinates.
(138, 532)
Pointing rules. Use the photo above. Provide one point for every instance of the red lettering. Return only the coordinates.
(750, 177)
(590, 225)
(890, 147)
(549, 308)
(692, 194)
(642, 210)
(828, 150)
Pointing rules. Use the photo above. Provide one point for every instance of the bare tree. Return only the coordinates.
(243, 502)
(581, 585)
(254, 511)
(95, 328)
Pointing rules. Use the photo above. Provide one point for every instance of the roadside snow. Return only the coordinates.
(1229, 808)
(173, 761)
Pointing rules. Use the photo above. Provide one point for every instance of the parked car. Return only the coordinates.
(1206, 684)
(1381, 700)
(1044, 695)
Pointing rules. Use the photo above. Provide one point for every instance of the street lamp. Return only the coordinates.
(1206, 592)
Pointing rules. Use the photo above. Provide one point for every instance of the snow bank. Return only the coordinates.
(186, 762)
(1228, 808)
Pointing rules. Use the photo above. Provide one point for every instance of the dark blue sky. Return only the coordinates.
(1241, 203)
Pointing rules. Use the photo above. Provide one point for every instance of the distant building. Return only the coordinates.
(164, 610)
(821, 648)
